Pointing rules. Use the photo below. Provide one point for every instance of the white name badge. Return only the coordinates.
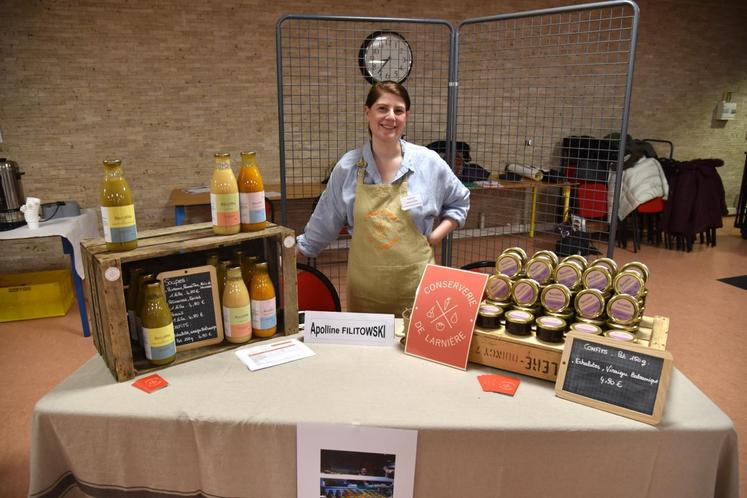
(365, 329)
(411, 201)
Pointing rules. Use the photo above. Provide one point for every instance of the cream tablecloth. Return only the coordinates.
(221, 430)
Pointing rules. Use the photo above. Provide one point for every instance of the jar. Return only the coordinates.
(607, 263)
(519, 322)
(632, 329)
(578, 259)
(585, 328)
(550, 329)
(637, 267)
(525, 292)
(589, 303)
(549, 255)
(623, 309)
(568, 273)
(629, 282)
(620, 335)
(489, 317)
(499, 288)
(556, 298)
(566, 315)
(540, 269)
(597, 277)
(591, 321)
(509, 264)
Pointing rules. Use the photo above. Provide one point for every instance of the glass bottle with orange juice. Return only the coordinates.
(237, 314)
(262, 293)
(224, 197)
(251, 194)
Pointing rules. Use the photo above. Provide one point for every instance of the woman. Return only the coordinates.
(389, 193)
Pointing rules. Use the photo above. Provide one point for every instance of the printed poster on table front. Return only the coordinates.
(443, 315)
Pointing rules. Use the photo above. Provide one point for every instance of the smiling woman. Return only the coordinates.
(390, 194)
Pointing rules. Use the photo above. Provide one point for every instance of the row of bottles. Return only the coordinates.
(235, 205)
(247, 310)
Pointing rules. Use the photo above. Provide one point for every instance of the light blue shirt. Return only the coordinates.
(441, 193)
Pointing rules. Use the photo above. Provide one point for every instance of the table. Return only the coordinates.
(72, 230)
(533, 186)
(222, 430)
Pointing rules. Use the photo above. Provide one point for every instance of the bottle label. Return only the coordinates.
(237, 322)
(159, 342)
(253, 207)
(224, 209)
(263, 313)
(119, 223)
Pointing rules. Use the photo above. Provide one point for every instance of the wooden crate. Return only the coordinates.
(175, 248)
(528, 356)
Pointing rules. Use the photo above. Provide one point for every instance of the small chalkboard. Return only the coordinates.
(192, 295)
(623, 378)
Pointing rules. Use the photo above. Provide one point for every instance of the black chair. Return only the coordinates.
(315, 291)
(484, 266)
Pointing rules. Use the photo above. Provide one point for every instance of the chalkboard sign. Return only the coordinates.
(622, 378)
(192, 295)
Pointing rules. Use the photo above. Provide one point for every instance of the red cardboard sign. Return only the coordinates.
(443, 316)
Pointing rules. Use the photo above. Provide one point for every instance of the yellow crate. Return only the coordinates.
(24, 296)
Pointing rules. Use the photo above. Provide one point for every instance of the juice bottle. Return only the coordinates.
(247, 269)
(158, 327)
(212, 260)
(143, 279)
(117, 209)
(221, 274)
(264, 315)
(251, 194)
(224, 197)
(237, 313)
(131, 301)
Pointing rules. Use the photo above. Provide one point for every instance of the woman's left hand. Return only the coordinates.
(443, 229)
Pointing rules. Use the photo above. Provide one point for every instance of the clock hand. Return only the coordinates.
(381, 68)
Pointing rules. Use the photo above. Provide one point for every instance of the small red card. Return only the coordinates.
(150, 383)
(499, 384)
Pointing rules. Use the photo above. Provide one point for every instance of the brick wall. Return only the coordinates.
(163, 85)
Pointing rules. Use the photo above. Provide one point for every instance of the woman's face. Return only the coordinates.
(387, 117)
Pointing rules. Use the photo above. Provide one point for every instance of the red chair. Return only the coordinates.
(649, 214)
(315, 291)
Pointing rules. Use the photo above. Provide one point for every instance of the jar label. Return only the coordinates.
(224, 209)
(566, 276)
(589, 305)
(539, 271)
(622, 310)
(159, 343)
(508, 266)
(237, 322)
(628, 284)
(253, 207)
(263, 313)
(555, 300)
(497, 289)
(596, 280)
(524, 293)
(119, 223)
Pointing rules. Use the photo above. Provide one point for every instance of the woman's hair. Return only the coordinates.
(381, 87)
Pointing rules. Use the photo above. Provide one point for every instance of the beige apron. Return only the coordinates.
(388, 253)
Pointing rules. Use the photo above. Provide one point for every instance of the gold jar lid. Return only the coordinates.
(578, 259)
(592, 321)
(556, 297)
(519, 316)
(499, 287)
(490, 310)
(586, 328)
(525, 292)
(500, 304)
(608, 263)
(597, 277)
(633, 329)
(540, 269)
(565, 315)
(620, 335)
(551, 323)
(534, 310)
(547, 254)
(568, 273)
(637, 267)
(509, 264)
(518, 251)
(589, 303)
(631, 283)
(623, 309)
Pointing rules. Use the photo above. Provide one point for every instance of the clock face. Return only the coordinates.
(385, 56)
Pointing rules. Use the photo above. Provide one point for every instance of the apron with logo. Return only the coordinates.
(388, 253)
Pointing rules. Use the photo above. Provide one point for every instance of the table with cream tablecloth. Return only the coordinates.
(220, 430)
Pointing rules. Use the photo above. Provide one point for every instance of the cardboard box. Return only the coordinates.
(24, 296)
(175, 248)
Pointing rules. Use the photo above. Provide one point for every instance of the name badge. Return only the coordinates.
(411, 201)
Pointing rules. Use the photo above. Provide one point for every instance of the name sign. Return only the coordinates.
(366, 329)
(626, 379)
(443, 315)
(192, 296)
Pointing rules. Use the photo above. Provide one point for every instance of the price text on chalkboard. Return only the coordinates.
(192, 297)
(630, 380)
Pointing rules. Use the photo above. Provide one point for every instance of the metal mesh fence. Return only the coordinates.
(546, 90)
(322, 91)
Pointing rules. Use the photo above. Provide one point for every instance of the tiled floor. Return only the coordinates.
(707, 339)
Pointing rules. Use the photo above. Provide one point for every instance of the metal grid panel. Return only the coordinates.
(528, 83)
(321, 93)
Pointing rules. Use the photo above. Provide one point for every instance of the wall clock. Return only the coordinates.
(385, 56)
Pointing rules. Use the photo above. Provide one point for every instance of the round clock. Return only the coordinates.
(385, 56)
